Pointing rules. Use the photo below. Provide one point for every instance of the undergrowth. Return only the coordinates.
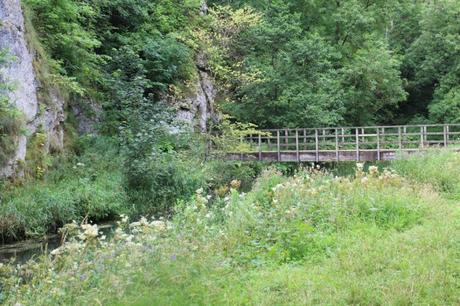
(440, 168)
(76, 187)
(374, 238)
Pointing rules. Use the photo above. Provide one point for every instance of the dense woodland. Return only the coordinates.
(215, 232)
(278, 63)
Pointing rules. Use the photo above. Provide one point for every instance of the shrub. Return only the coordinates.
(162, 161)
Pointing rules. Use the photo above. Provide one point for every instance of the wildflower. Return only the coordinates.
(90, 231)
(199, 191)
(235, 184)
(364, 180)
(373, 170)
(124, 218)
(359, 167)
(143, 221)
(135, 224)
(56, 252)
(221, 191)
(159, 225)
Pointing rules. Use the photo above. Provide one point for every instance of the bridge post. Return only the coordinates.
(297, 145)
(421, 137)
(278, 145)
(260, 147)
(336, 145)
(357, 143)
(378, 143)
(399, 138)
(286, 138)
(316, 146)
(445, 135)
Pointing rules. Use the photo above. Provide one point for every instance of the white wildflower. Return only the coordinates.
(373, 170)
(90, 231)
(159, 225)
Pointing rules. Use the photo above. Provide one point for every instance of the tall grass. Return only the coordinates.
(77, 187)
(440, 168)
(370, 239)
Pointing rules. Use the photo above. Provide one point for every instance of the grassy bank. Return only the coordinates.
(87, 184)
(375, 238)
(95, 181)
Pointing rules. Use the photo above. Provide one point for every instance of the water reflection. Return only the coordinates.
(21, 252)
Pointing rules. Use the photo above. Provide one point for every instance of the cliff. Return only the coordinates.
(41, 115)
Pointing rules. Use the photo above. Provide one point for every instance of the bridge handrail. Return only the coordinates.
(359, 139)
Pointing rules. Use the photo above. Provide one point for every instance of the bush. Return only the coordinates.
(162, 161)
(219, 174)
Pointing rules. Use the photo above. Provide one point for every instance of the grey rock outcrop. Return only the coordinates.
(44, 116)
(198, 106)
(88, 118)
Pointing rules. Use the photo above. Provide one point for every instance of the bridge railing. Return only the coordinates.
(345, 143)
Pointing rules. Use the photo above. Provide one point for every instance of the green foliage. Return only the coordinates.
(371, 239)
(431, 62)
(374, 88)
(159, 166)
(344, 62)
(77, 187)
(438, 168)
(66, 29)
(296, 69)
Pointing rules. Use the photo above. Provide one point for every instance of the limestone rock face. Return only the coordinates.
(44, 116)
(88, 117)
(198, 107)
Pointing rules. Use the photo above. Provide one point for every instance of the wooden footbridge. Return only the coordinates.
(368, 143)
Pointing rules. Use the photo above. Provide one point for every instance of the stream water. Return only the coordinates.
(22, 251)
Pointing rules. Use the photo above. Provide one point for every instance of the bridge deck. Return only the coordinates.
(369, 143)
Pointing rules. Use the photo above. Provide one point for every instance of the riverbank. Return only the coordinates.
(78, 185)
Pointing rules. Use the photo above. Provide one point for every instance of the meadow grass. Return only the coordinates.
(439, 168)
(374, 238)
